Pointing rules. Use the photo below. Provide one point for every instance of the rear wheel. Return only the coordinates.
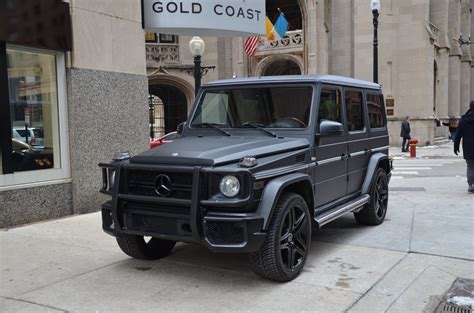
(374, 212)
(284, 252)
(139, 248)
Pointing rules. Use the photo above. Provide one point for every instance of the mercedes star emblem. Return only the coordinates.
(163, 185)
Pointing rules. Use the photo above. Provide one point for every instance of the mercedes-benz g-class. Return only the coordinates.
(260, 161)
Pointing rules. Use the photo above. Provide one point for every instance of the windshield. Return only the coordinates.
(274, 107)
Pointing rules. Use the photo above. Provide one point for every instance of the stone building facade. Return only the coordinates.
(84, 94)
(424, 70)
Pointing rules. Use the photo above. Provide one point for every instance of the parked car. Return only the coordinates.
(25, 158)
(170, 137)
(21, 134)
(260, 162)
(35, 136)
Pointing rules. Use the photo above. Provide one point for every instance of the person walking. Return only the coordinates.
(453, 126)
(405, 133)
(466, 133)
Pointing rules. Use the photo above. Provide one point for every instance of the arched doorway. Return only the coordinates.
(168, 108)
(282, 67)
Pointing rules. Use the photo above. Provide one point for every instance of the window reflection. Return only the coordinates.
(33, 101)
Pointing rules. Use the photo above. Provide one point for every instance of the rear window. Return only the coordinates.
(22, 132)
(355, 113)
(375, 109)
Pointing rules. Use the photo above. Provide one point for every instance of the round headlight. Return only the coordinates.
(230, 186)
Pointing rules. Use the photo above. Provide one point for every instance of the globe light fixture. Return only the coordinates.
(375, 4)
(197, 47)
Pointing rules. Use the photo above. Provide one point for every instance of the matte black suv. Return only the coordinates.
(259, 163)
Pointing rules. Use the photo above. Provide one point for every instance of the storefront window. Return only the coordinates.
(36, 117)
(33, 96)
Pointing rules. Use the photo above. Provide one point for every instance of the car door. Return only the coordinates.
(330, 153)
(358, 143)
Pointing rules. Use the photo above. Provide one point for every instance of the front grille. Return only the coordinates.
(151, 224)
(142, 183)
(222, 233)
(156, 209)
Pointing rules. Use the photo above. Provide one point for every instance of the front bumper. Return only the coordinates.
(220, 232)
(189, 216)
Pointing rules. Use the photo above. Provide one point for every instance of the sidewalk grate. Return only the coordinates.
(451, 308)
(412, 189)
(461, 289)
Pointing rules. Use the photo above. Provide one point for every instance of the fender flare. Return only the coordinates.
(374, 163)
(272, 192)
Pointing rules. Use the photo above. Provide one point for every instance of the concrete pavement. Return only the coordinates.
(403, 265)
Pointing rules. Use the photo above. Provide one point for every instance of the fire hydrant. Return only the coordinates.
(412, 143)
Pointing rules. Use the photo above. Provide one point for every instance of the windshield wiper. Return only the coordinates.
(213, 126)
(259, 127)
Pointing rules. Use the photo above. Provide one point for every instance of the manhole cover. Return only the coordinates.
(459, 298)
(413, 189)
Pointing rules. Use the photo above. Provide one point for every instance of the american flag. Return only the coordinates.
(250, 45)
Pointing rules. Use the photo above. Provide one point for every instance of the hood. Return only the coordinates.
(213, 151)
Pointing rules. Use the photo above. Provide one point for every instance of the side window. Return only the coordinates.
(375, 110)
(330, 105)
(354, 110)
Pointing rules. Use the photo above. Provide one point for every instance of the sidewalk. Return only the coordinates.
(403, 265)
(441, 151)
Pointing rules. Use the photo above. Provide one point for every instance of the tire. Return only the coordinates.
(136, 247)
(284, 251)
(374, 212)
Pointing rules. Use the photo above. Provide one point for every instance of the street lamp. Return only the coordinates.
(375, 4)
(197, 47)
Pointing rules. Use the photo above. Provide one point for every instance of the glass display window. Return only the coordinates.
(35, 147)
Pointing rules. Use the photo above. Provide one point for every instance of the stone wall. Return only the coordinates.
(108, 112)
(28, 205)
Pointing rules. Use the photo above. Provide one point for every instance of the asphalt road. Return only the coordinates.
(403, 265)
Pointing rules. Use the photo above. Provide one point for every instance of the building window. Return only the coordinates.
(34, 147)
(354, 111)
(154, 38)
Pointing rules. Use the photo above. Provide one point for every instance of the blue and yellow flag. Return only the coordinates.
(281, 25)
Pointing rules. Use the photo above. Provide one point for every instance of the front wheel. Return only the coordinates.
(284, 252)
(374, 212)
(139, 248)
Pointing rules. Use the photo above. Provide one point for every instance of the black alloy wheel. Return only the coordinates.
(375, 211)
(284, 252)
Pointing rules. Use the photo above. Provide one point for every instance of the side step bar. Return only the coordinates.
(329, 216)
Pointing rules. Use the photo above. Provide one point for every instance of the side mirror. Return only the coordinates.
(330, 129)
(180, 127)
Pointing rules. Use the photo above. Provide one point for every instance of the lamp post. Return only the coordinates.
(197, 47)
(375, 4)
(151, 113)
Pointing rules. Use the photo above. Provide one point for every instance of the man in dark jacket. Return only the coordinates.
(466, 133)
(405, 133)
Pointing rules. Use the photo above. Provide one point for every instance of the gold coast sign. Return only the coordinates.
(205, 18)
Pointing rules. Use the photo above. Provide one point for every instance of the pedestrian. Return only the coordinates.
(453, 126)
(405, 133)
(466, 133)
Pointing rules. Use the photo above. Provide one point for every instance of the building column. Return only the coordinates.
(439, 16)
(342, 48)
(312, 37)
(320, 13)
(454, 106)
(466, 59)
